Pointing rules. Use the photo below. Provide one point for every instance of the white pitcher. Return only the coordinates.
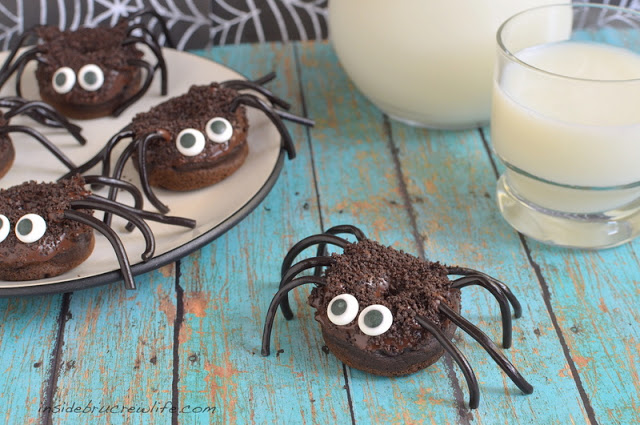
(425, 62)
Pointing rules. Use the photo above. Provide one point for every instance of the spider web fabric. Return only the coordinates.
(192, 23)
(268, 20)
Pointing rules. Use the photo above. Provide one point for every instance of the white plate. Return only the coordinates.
(215, 209)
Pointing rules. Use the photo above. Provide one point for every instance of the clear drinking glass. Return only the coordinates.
(565, 122)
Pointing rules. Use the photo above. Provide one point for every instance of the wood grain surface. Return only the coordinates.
(184, 348)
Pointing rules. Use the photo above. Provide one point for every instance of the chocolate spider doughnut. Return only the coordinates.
(390, 313)
(47, 229)
(194, 140)
(90, 72)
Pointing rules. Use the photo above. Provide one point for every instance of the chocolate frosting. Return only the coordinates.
(48, 200)
(405, 284)
(191, 110)
(74, 49)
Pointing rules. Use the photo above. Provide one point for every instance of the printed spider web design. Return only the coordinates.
(184, 18)
(631, 4)
(11, 22)
(250, 20)
(619, 19)
(187, 20)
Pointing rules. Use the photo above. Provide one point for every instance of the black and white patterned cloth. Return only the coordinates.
(192, 23)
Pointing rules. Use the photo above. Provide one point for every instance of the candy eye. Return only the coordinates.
(375, 320)
(190, 142)
(342, 309)
(63, 80)
(219, 130)
(30, 228)
(4, 227)
(90, 77)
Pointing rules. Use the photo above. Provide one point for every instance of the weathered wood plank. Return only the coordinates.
(28, 334)
(228, 286)
(594, 297)
(117, 353)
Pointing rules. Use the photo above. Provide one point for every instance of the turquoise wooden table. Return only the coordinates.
(184, 348)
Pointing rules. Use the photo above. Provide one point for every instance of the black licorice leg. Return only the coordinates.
(157, 52)
(96, 204)
(103, 155)
(112, 237)
(275, 302)
(144, 176)
(297, 268)
(347, 229)
(341, 228)
(47, 115)
(250, 100)
(143, 89)
(250, 85)
(16, 102)
(10, 67)
(463, 271)
(505, 311)
(467, 371)
(123, 158)
(43, 140)
(12, 54)
(117, 173)
(148, 215)
(125, 133)
(163, 25)
(27, 56)
(120, 184)
(489, 347)
(20, 72)
(265, 78)
(138, 201)
(306, 243)
(295, 118)
(146, 32)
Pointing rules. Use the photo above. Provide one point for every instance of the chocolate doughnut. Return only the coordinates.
(91, 72)
(170, 165)
(377, 275)
(64, 245)
(48, 228)
(88, 73)
(387, 312)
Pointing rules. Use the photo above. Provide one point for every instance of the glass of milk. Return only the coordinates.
(565, 123)
(424, 62)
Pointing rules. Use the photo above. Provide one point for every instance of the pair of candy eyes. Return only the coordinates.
(373, 320)
(90, 77)
(29, 228)
(190, 142)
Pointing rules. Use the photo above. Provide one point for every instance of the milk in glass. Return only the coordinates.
(570, 144)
